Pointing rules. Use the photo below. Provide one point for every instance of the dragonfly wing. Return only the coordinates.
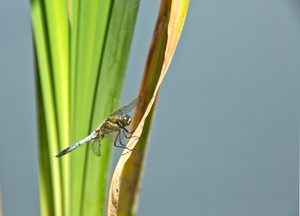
(122, 138)
(128, 108)
(96, 147)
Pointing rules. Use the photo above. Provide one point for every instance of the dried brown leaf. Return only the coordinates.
(171, 19)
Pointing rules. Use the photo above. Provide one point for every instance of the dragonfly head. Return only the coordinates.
(126, 120)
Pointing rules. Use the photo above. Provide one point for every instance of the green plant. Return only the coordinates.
(82, 50)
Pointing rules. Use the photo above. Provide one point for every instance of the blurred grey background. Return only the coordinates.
(226, 134)
(18, 122)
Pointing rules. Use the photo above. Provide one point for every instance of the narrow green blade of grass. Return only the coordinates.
(44, 69)
(46, 192)
(89, 23)
(73, 16)
(76, 173)
(109, 88)
(125, 186)
(58, 36)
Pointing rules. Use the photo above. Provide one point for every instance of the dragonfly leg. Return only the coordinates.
(118, 139)
(129, 136)
(121, 126)
(131, 132)
(126, 132)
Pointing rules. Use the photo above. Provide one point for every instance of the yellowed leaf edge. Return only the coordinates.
(175, 23)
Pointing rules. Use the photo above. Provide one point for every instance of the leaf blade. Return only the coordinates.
(127, 175)
(110, 86)
(89, 26)
(47, 92)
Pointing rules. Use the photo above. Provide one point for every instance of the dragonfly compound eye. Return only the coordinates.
(127, 119)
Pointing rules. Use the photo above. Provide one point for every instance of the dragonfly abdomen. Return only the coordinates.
(87, 139)
(93, 135)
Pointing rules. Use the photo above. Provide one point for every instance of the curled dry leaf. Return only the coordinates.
(171, 18)
(116, 180)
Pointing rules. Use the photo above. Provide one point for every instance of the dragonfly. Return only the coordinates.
(116, 124)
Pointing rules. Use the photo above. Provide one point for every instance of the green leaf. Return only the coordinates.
(46, 191)
(110, 85)
(82, 50)
(47, 92)
(88, 34)
(58, 36)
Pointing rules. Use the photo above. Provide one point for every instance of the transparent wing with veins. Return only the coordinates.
(127, 108)
(96, 147)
